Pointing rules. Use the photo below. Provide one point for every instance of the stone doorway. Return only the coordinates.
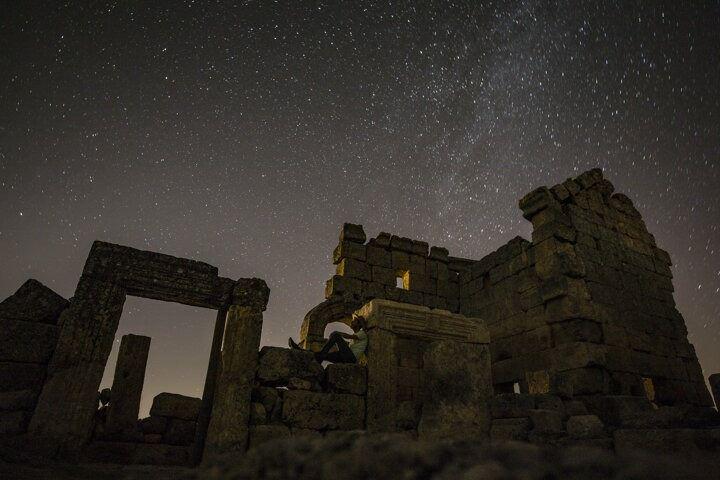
(181, 340)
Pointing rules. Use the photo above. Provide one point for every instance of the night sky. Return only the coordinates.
(245, 135)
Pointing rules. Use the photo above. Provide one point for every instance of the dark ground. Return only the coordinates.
(356, 456)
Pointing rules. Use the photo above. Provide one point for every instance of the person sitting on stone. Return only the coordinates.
(345, 353)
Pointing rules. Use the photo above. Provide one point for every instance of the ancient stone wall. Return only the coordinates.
(295, 396)
(28, 334)
(165, 437)
(386, 267)
(428, 371)
(66, 407)
(586, 308)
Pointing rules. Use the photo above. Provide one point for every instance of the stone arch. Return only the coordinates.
(334, 309)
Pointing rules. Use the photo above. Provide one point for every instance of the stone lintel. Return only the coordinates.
(423, 322)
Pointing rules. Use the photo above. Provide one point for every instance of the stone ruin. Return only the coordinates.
(570, 338)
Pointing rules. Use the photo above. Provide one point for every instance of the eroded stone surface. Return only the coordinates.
(278, 365)
(175, 405)
(323, 411)
(33, 302)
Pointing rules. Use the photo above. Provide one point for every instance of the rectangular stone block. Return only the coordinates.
(349, 267)
(323, 411)
(384, 276)
(379, 256)
(33, 302)
(510, 429)
(346, 378)
(13, 423)
(348, 249)
(174, 405)
(449, 412)
(21, 376)
(30, 342)
(17, 400)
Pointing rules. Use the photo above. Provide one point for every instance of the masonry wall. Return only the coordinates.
(586, 308)
(28, 334)
(365, 271)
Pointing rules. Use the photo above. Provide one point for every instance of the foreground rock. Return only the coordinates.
(355, 455)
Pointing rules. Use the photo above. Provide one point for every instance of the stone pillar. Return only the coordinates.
(209, 388)
(715, 387)
(68, 401)
(228, 429)
(127, 388)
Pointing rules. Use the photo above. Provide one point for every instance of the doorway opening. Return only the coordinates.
(181, 338)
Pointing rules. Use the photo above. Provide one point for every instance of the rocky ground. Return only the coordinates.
(356, 456)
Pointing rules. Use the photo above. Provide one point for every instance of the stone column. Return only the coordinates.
(228, 429)
(209, 388)
(382, 381)
(715, 387)
(68, 401)
(127, 388)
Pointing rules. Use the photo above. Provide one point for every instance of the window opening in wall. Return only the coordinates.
(516, 387)
(649, 389)
(402, 279)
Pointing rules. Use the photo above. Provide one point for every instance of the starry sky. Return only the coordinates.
(243, 134)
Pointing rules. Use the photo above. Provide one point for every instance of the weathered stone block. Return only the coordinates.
(575, 407)
(295, 383)
(270, 398)
(33, 302)
(577, 330)
(23, 341)
(258, 414)
(509, 429)
(153, 425)
(175, 406)
(21, 376)
(161, 454)
(439, 253)
(585, 426)
(227, 431)
(348, 249)
(714, 381)
(511, 405)
(323, 411)
(260, 434)
(346, 378)
(401, 243)
(341, 286)
(13, 423)
(349, 267)
(384, 276)
(17, 400)
(382, 240)
(536, 201)
(179, 432)
(546, 421)
(352, 233)
(378, 256)
(278, 365)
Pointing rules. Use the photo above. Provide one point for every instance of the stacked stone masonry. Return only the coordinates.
(295, 396)
(28, 334)
(586, 308)
(570, 338)
(386, 267)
